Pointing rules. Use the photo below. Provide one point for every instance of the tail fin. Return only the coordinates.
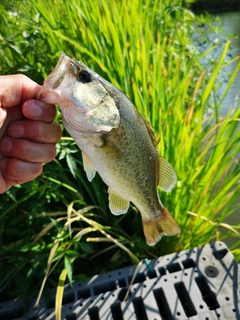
(163, 225)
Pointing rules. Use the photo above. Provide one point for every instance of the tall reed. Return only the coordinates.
(145, 49)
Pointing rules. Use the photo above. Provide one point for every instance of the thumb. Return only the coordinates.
(15, 89)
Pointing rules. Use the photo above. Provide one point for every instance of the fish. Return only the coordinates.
(116, 141)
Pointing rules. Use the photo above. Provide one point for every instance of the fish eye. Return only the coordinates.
(84, 76)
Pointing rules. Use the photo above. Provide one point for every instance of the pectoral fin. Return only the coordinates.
(117, 204)
(167, 175)
(88, 166)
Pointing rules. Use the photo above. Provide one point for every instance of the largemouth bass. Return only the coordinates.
(116, 141)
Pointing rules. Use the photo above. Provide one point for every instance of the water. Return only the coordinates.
(230, 22)
(231, 25)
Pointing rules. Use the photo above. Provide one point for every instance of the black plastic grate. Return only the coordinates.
(197, 284)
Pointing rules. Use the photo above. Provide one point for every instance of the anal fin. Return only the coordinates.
(117, 204)
(164, 225)
(88, 166)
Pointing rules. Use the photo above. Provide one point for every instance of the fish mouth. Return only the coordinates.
(63, 57)
(57, 75)
(54, 79)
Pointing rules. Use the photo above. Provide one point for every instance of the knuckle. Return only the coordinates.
(21, 78)
(34, 131)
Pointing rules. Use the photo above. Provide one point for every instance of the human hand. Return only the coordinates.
(27, 131)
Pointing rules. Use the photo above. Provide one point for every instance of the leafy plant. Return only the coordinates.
(59, 225)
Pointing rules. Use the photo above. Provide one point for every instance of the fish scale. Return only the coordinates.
(116, 141)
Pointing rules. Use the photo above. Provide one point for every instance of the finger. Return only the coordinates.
(35, 131)
(39, 110)
(27, 150)
(15, 89)
(19, 171)
(3, 115)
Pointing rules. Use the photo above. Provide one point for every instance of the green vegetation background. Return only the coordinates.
(60, 222)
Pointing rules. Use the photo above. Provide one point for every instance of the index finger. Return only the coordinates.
(15, 89)
(39, 110)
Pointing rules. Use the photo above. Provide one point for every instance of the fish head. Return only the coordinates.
(86, 103)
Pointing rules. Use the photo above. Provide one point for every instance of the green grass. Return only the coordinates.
(59, 225)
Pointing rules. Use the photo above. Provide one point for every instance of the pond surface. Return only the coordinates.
(231, 25)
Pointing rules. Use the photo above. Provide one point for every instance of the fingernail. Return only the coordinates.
(16, 131)
(34, 110)
(6, 145)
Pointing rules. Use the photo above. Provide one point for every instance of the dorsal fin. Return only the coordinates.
(151, 133)
(167, 175)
